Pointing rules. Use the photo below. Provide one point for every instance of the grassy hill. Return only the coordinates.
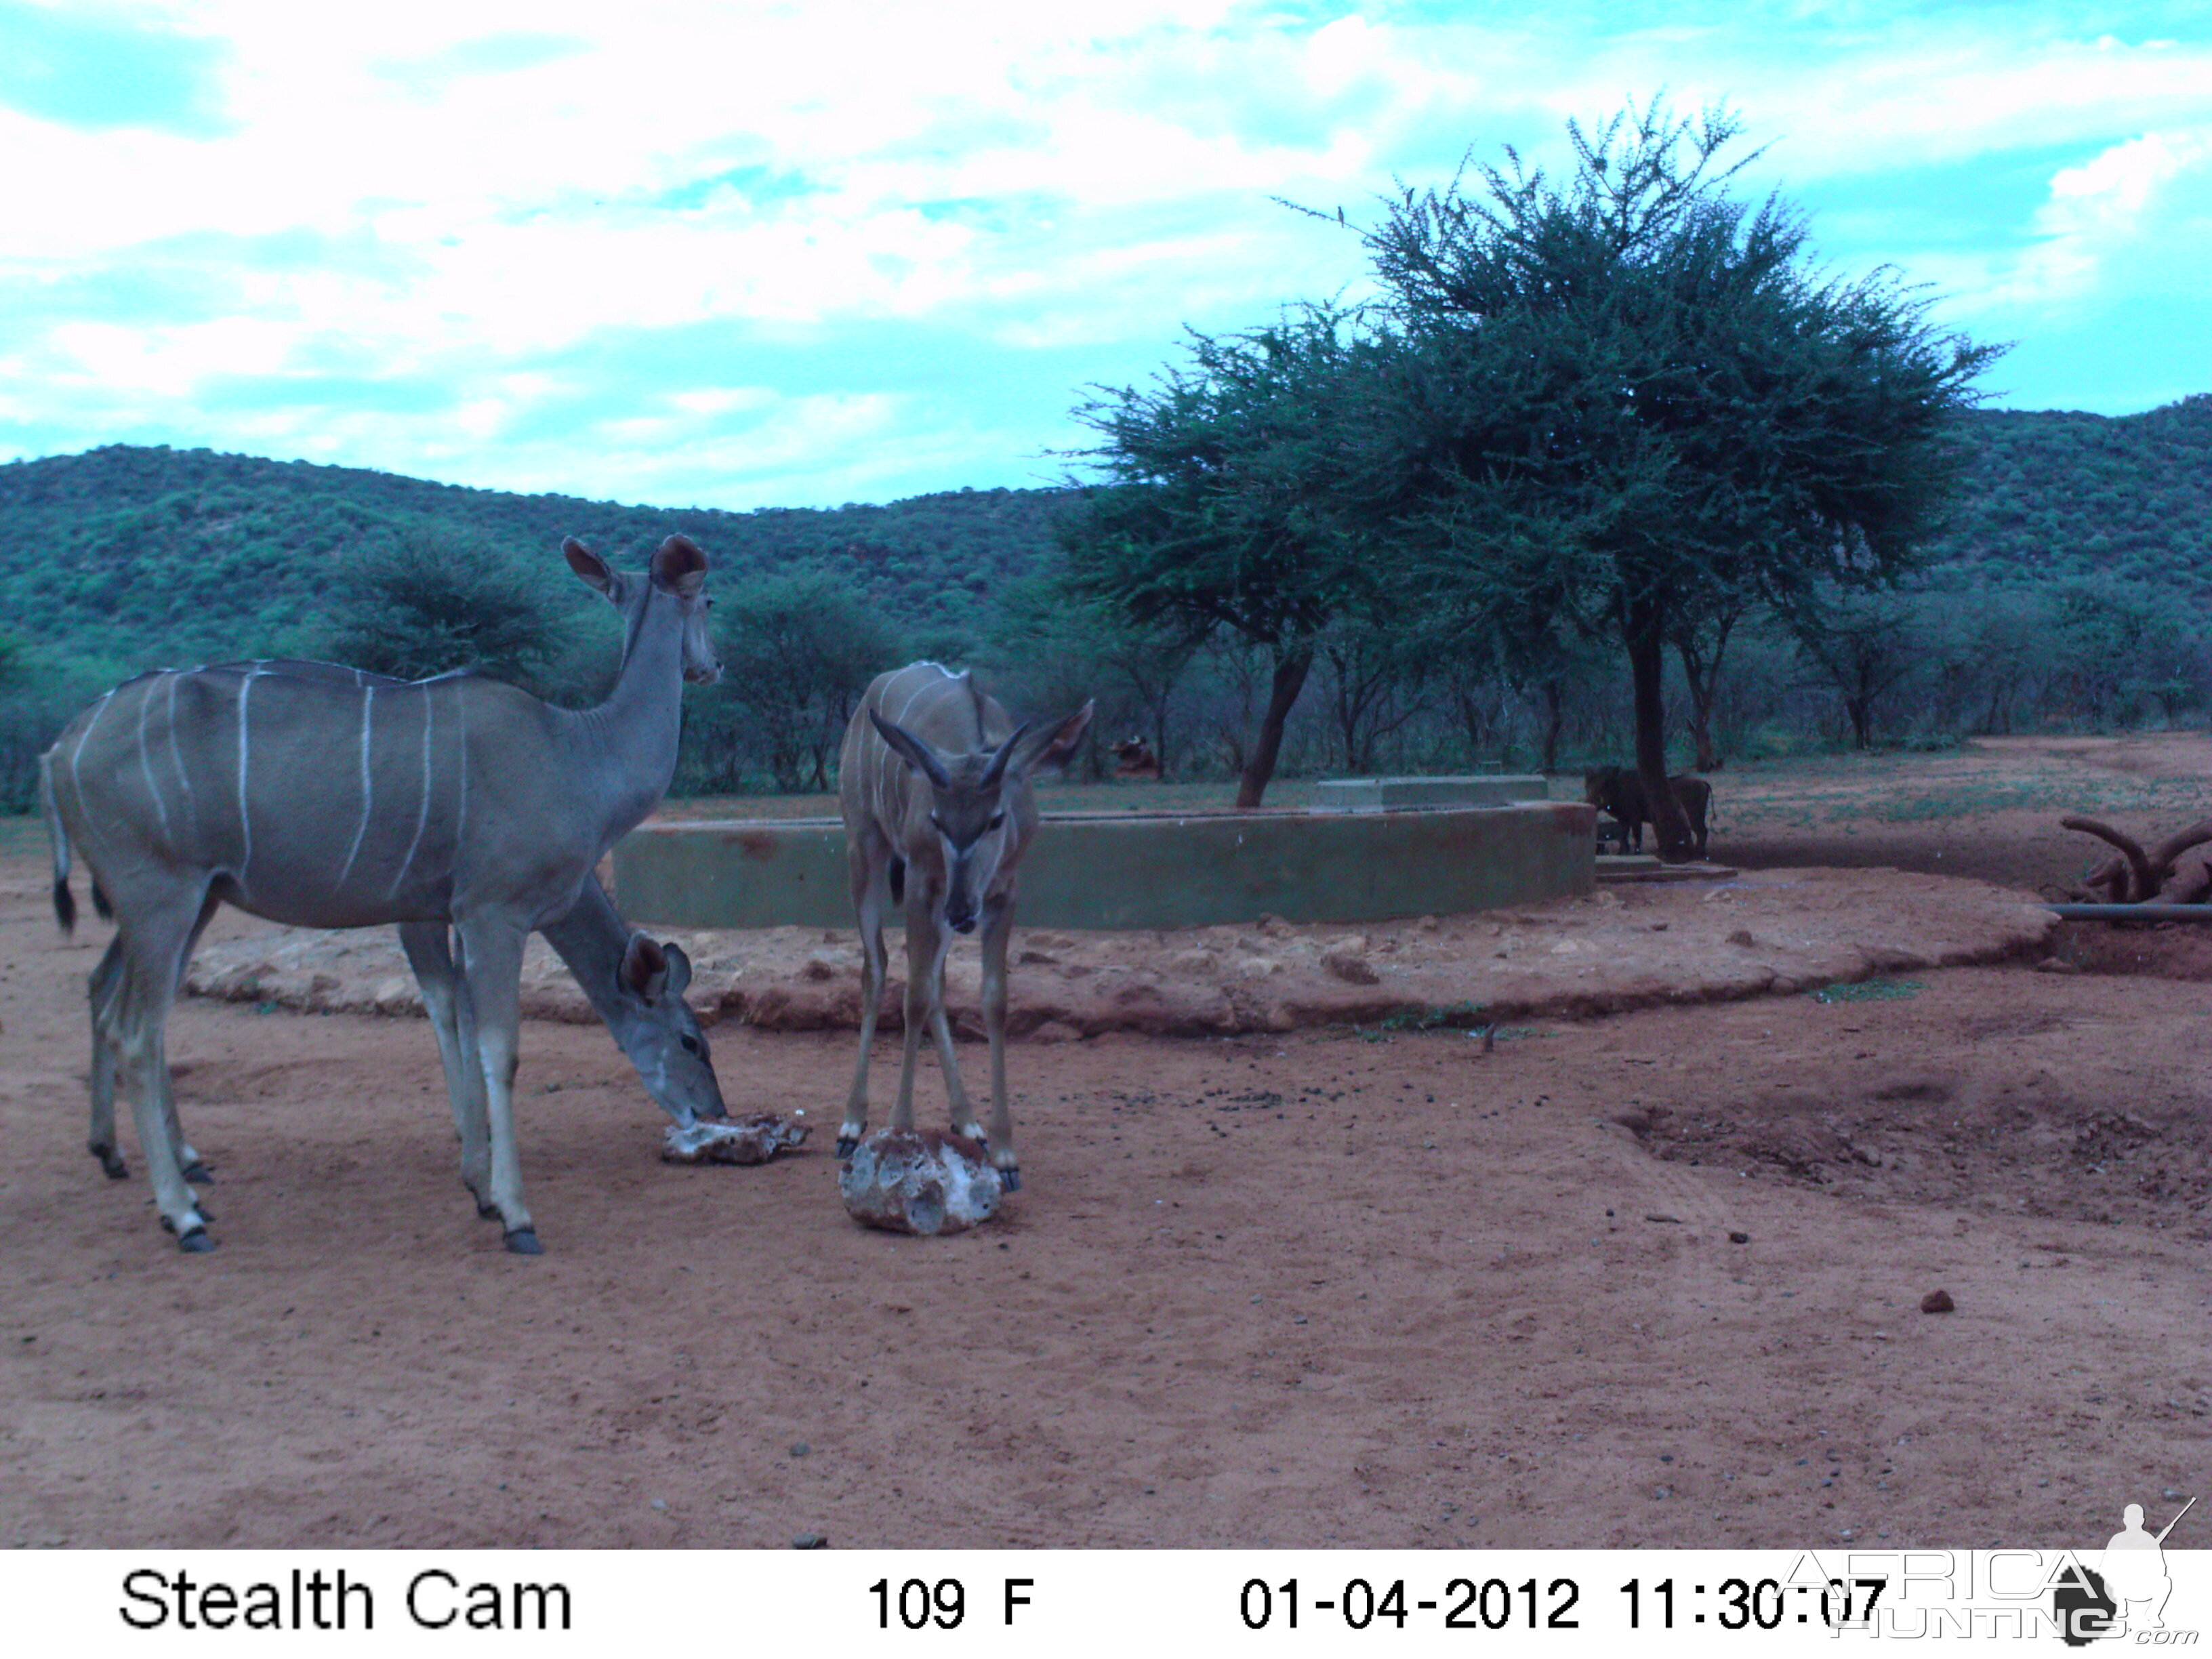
(2092, 535)
(2053, 496)
(128, 556)
(136, 556)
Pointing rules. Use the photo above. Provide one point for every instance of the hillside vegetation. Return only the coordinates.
(137, 556)
(2067, 591)
(2056, 495)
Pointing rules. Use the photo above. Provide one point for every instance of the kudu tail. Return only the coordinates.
(64, 901)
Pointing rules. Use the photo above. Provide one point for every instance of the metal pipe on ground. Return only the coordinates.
(2132, 912)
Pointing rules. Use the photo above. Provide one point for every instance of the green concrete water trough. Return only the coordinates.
(1393, 795)
(1135, 869)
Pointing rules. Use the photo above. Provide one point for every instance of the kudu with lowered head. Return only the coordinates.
(458, 802)
(934, 783)
(634, 983)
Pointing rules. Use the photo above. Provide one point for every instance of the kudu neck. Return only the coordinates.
(628, 742)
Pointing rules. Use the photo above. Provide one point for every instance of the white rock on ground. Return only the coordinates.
(918, 1180)
(753, 1140)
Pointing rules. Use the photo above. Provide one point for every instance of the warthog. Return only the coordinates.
(1618, 792)
(1134, 758)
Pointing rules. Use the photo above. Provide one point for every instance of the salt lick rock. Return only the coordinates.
(753, 1140)
(918, 1180)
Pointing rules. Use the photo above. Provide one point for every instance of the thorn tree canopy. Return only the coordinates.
(1233, 503)
(1631, 392)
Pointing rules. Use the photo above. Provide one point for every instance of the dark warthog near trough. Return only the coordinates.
(1618, 792)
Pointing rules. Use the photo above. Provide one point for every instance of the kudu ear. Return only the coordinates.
(913, 751)
(645, 968)
(679, 968)
(679, 568)
(1049, 748)
(589, 566)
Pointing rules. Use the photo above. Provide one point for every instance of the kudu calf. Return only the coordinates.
(934, 783)
(458, 802)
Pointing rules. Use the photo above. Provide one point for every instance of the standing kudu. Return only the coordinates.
(458, 802)
(633, 983)
(934, 784)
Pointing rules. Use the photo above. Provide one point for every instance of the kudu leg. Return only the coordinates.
(926, 946)
(444, 999)
(491, 969)
(104, 995)
(998, 929)
(152, 948)
(962, 1109)
(194, 1166)
(871, 896)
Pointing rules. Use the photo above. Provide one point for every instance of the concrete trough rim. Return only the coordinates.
(1142, 869)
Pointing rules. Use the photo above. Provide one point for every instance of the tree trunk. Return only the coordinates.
(1289, 679)
(1555, 720)
(1703, 674)
(1647, 663)
(1861, 711)
(1701, 733)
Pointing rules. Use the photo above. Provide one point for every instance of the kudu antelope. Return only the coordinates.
(458, 801)
(634, 983)
(934, 783)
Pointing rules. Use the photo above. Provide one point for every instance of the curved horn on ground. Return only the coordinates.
(2143, 884)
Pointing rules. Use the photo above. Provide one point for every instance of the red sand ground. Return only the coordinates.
(1309, 1287)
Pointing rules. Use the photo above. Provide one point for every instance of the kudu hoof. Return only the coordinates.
(1010, 1180)
(845, 1146)
(198, 1174)
(523, 1241)
(111, 1161)
(195, 1240)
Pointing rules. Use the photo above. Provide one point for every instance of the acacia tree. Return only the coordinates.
(1700, 636)
(1863, 645)
(1056, 647)
(1376, 677)
(1233, 504)
(798, 649)
(420, 602)
(1629, 391)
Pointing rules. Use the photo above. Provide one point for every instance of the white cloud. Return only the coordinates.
(482, 186)
(2133, 214)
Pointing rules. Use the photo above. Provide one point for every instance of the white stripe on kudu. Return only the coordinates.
(367, 783)
(177, 760)
(146, 769)
(244, 810)
(430, 702)
(567, 784)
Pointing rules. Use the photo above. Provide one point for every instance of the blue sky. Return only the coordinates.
(741, 255)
